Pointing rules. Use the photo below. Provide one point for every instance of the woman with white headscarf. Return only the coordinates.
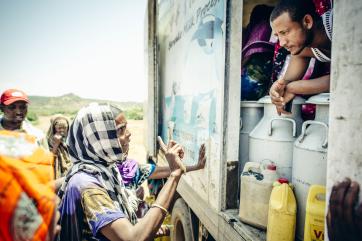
(95, 204)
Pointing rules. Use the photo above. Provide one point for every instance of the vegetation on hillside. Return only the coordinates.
(70, 104)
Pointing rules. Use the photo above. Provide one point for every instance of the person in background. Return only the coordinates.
(56, 136)
(344, 217)
(28, 203)
(305, 32)
(95, 205)
(14, 105)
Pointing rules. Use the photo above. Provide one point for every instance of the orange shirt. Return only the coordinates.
(27, 200)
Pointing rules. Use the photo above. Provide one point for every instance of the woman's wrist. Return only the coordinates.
(176, 173)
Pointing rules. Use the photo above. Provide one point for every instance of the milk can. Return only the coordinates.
(273, 137)
(250, 114)
(310, 156)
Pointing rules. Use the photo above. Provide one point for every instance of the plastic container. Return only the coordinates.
(256, 184)
(314, 220)
(282, 212)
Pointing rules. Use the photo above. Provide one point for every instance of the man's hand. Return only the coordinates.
(276, 93)
(173, 153)
(288, 96)
(344, 221)
(280, 95)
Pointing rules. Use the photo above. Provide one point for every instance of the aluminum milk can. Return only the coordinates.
(273, 137)
(250, 114)
(310, 156)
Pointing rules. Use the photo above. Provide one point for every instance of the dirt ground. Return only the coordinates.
(137, 149)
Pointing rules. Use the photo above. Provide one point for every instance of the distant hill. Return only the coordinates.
(69, 105)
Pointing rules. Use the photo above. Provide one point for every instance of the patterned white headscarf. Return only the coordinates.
(94, 148)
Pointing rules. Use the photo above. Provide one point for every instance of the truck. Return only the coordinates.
(193, 59)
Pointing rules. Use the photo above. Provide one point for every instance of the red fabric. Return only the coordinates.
(322, 6)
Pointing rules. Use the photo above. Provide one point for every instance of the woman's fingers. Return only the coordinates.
(171, 143)
(176, 150)
(163, 147)
(202, 152)
(182, 153)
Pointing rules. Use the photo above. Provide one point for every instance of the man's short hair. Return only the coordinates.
(297, 9)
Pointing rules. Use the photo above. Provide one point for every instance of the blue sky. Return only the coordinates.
(93, 48)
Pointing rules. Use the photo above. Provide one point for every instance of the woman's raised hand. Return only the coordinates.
(173, 153)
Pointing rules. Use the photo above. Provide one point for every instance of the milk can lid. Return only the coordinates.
(320, 99)
(250, 104)
(267, 100)
(283, 180)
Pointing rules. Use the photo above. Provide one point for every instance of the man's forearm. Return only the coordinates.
(309, 87)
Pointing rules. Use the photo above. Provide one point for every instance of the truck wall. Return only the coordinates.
(191, 40)
(345, 133)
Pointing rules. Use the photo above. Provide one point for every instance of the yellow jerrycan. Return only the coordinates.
(315, 213)
(282, 212)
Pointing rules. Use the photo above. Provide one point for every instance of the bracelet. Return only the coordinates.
(160, 207)
(174, 175)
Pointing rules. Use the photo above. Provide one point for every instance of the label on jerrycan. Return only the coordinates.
(316, 232)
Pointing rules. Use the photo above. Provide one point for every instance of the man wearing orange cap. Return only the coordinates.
(14, 105)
